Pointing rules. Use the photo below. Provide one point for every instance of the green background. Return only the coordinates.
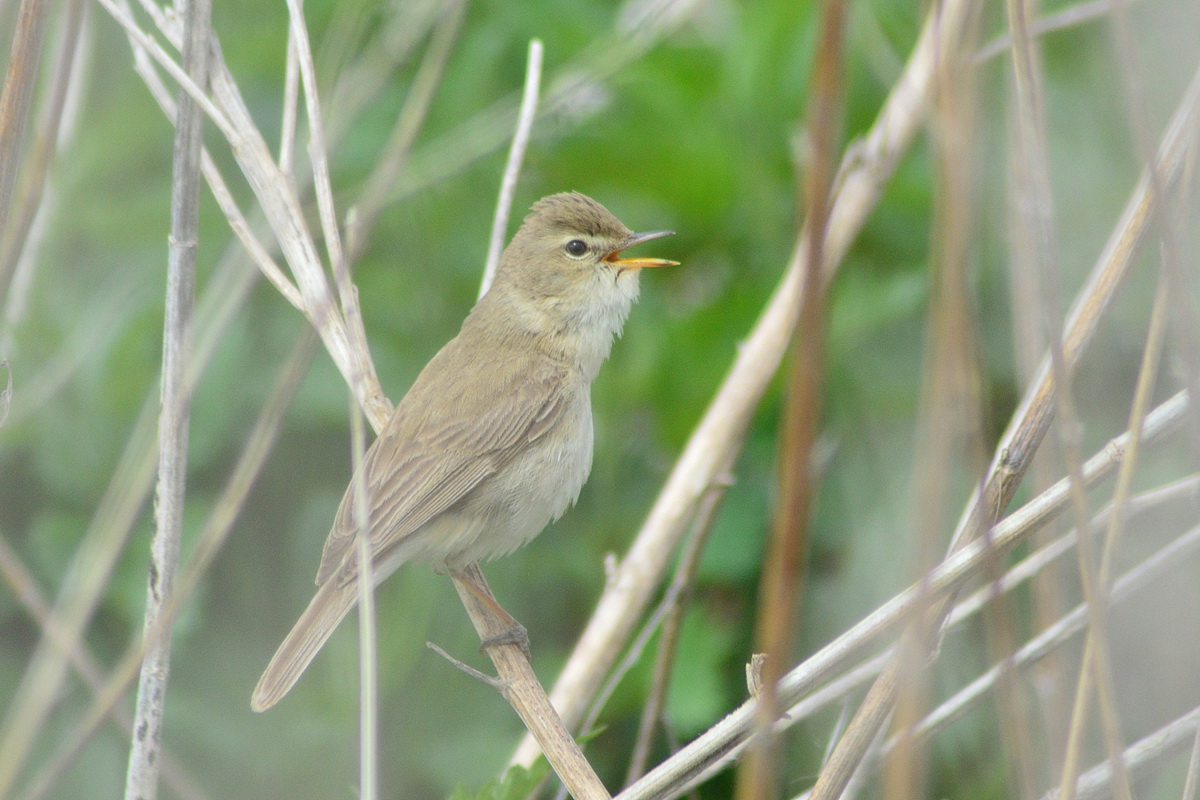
(699, 135)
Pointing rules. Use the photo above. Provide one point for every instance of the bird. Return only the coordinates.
(493, 440)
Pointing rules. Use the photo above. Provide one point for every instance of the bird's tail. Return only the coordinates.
(331, 602)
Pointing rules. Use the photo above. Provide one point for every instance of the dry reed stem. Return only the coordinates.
(950, 406)
(209, 542)
(512, 167)
(283, 211)
(1034, 190)
(1144, 387)
(18, 214)
(115, 514)
(16, 101)
(1033, 416)
(1029, 654)
(671, 615)
(1191, 785)
(291, 103)
(1057, 633)
(368, 674)
(725, 738)
(1140, 756)
(141, 780)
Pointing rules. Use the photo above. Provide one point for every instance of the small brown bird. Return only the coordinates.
(494, 439)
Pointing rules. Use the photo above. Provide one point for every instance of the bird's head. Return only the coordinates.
(568, 258)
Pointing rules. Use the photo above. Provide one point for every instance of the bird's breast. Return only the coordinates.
(538, 485)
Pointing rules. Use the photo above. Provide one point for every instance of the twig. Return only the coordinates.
(16, 101)
(1030, 653)
(951, 411)
(1033, 652)
(1145, 384)
(121, 14)
(674, 606)
(141, 780)
(1191, 785)
(512, 168)
(18, 218)
(291, 100)
(1071, 623)
(1140, 756)
(368, 673)
(784, 559)
(1036, 192)
(217, 185)
(1059, 20)
(319, 158)
(467, 669)
(378, 191)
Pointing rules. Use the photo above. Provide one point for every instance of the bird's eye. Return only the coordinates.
(577, 247)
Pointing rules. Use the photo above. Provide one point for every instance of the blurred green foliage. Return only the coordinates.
(699, 134)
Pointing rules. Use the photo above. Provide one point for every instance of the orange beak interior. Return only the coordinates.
(639, 263)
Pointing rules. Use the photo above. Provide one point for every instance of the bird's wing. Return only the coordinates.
(445, 438)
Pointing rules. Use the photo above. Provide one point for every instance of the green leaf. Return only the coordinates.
(516, 783)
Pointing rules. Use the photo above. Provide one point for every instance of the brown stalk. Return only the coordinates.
(783, 567)
(1186, 320)
(1036, 192)
(15, 104)
(1033, 416)
(1030, 344)
(16, 223)
(951, 406)
(1145, 384)
(676, 603)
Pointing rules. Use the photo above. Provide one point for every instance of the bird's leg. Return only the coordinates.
(501, 628)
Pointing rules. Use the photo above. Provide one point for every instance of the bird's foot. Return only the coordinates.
(514, 634)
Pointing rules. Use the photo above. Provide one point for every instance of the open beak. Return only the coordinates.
(638, 263)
